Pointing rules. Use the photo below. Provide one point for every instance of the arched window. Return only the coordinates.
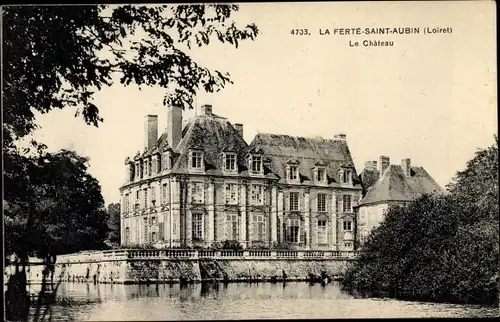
(127, 236)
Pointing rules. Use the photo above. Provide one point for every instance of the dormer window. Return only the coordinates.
(196, 160)
(293, 172)
(230, 162)
(158, 163)
(320, 174)
(256, 164)
(346, 176)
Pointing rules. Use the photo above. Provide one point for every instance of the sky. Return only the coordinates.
(431, 98)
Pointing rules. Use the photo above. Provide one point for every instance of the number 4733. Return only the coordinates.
(300, 32)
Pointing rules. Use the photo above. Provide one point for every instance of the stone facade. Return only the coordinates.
(206, 185)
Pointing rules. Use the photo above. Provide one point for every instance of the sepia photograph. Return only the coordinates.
(265, 160)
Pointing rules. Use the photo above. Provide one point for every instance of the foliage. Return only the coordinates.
(142, 45)
(440, 248)
(113, 214)
(227, 245)
(53, 206)
(55, 57)
(278, 245)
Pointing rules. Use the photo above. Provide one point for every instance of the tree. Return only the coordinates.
(114, 223)
(53, 206)
(59, 56)
(442, 248)
(62, 212)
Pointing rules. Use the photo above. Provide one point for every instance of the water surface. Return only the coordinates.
(235, 301)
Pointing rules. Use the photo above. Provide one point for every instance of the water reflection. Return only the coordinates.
(204, 301)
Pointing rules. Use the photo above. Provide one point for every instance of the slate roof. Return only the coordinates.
(368, 178)
(396, 186)
(282, 149)
(214, 134)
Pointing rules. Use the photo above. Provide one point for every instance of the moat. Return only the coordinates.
(233, 301)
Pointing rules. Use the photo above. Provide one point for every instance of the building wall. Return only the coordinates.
(168, 220)
(370, 217)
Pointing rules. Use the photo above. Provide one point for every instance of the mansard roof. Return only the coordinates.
(307, 152)
(394, 185)
(213, 135)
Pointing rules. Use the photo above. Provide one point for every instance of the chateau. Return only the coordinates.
(201, 183)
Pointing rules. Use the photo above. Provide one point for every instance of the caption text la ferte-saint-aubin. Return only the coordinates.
(373, 31)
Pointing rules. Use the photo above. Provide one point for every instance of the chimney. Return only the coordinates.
(406, 165)
(174, 126)
(206, 110)
(383, 164)
(150, 131)
(371, 165)
(239, 128)
(340, 136)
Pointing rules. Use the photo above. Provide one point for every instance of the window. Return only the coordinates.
(149, 167)
(258, 228)
(137, 200)
(174, 227)
(294, 201)
(320, 175)
(165, 160)
(161, 229)
(321, 202)
(126, 203)
(197, 192)
(230, 162)
(137, 170)
(197, 227)
(196, 160)
(127, 235)
(145, 164)
(293, 173)
(154, 164)
(232, 229)
(164, 193)
(136, 225)
(146, 198)
(347, 225)
(293, 230)
(346, 203)
(322, 232)
(346, 176)
(231, 193)
(256, 164)
(145, 229)
(348, 245)
(131, 172)
(153, 196)
(257, 194)
(158, 163)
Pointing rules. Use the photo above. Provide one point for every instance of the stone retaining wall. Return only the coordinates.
(188, 266)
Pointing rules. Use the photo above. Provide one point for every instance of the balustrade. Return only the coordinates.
(122, 254)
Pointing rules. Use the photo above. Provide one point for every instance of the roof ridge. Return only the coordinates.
(315, 138)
